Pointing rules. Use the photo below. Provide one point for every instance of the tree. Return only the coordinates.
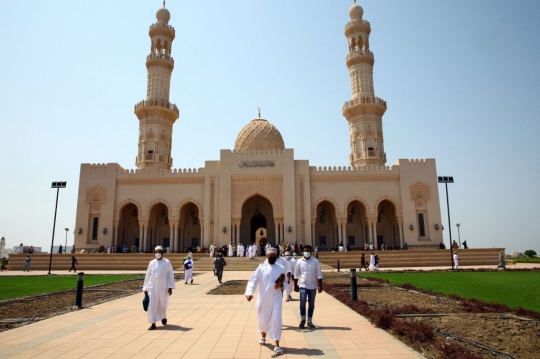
(530, 253)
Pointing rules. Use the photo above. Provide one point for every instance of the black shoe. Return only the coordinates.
(164, 321)
(302, 324)
(310, 324)
(191, 281)
(152, 327)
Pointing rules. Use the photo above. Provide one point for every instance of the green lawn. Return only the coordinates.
(515, 289)
(14, 287)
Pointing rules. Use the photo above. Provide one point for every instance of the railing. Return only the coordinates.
(364, 99)
(157, 103)
(359, 53)
(160, 56)
(372, 153)
(357, 22)
(162, 26)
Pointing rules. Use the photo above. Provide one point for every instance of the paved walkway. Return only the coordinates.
(200, 326)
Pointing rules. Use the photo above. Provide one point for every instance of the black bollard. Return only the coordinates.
(354, 294)
(78, 298)
(338, 265)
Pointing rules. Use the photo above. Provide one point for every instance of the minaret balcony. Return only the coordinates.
(161, 29)
(364, 105)
(360, 56)
(357, 26)
(364, 100)
(160, 108)
(159, 57)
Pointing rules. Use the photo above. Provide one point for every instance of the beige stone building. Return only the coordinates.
(258, 191)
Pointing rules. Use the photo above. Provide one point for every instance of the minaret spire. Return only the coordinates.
(156, 114)
(364, 111)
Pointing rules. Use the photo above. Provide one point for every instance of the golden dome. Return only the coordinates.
(259, 134)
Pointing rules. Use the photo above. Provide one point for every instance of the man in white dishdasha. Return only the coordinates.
(269, 277)
(158, 284)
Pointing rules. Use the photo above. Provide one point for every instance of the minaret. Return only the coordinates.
(156, 114)
(364, 112)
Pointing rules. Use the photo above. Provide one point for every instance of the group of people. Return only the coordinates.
(373, 262)
(273, 277)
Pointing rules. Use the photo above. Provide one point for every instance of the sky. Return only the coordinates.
(461, 80)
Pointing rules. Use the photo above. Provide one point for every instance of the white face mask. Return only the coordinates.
(288, 257)
(158, 255)
(307, 255)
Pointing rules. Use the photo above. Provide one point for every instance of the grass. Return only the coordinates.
(15, 287)
(513, 288)
(526, 260)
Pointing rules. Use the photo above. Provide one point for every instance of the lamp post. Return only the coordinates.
(458, 235)
(56, 185)
(446, 180)
(65, 245)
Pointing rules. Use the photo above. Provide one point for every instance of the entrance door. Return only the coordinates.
(194, 243)
(322, 242)
(380, 241)
(166, 242)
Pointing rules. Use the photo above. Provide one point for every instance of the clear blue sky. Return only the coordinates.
(461, 79)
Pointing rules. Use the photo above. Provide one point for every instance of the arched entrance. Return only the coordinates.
(129, 229)
(257, 214)
(326, 226)
(387, 226)
(357, 225)
(190, 228)
(158, 227)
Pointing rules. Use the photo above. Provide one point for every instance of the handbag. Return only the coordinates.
(146, 302)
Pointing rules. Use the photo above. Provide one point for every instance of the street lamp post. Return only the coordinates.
(56, 185)
(446, 180)
(65, 245)
(458, 235)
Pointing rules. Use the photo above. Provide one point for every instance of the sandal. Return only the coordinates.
(262, 341)
(278, 351)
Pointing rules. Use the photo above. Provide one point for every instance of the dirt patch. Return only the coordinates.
(232, 287)
(21, 311)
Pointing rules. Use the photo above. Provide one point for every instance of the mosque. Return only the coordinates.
(257, 191)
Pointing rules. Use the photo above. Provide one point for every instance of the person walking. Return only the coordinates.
(158, 285)
(376, 262)
(188, 270)
(269, 277)
(456, 261)
(60, 249)
(27, 261)
(502, 261)
(316, 252)
(307, 281)
(73, 263)
(363, 263)
(372, 261)
(290, 284)
(219, 263)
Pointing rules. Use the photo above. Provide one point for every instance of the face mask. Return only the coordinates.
(307, 255)
(158, 255)
(288, 257)
(272, 260)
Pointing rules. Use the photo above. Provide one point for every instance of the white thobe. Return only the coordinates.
(211, 251)
(159, 278)
(188, 271)
(230, 250)
(456, 261)
(269, 302)
(289, 287)
(240, 251)
(372, 262)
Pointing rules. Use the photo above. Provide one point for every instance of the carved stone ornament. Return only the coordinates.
(420, 190)
(96, 194)
(266, 163)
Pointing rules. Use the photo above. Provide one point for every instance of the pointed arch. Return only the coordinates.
(152, 204)
(187, 201)
(125, 203)
(391, 200)
(357, 199)
(263, 194)
(327, 199)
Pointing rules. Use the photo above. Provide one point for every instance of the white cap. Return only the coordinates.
(158, 248)
(271, 250)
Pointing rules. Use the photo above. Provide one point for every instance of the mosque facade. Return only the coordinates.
(258, 192)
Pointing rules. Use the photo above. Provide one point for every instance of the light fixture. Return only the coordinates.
(162, 214)
(134, 213)
(79, 231)
(289, 229)
(411, 227)
(192, 213)
(436, 227)
(383, 211)
(261, 233)
(353, 211)
(104, 230)
(224, 229)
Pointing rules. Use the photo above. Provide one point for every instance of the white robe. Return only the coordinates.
(230, 250)
(240, 251)
(188, 272)
(372, 262)
(211, 251)
(456, 261)
(159, 278)
(289, 287)
(269, 304)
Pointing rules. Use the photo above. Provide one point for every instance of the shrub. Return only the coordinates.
(415, 330)
(530, 253)
(452, 351)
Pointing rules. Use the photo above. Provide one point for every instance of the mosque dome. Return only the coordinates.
(356, 12)
(163, 15)
(259, 134)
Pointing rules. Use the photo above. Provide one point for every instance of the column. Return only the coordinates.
(276, 240)
(141, 237)
(400, 225)
(171, 238)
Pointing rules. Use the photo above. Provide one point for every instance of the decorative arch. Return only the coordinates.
(96, 194)
(152, 204)
(391, 200)
(190, 200)
(420, 190)
(254, 193)
(328, 199)
(125, 203)
(357, 199)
